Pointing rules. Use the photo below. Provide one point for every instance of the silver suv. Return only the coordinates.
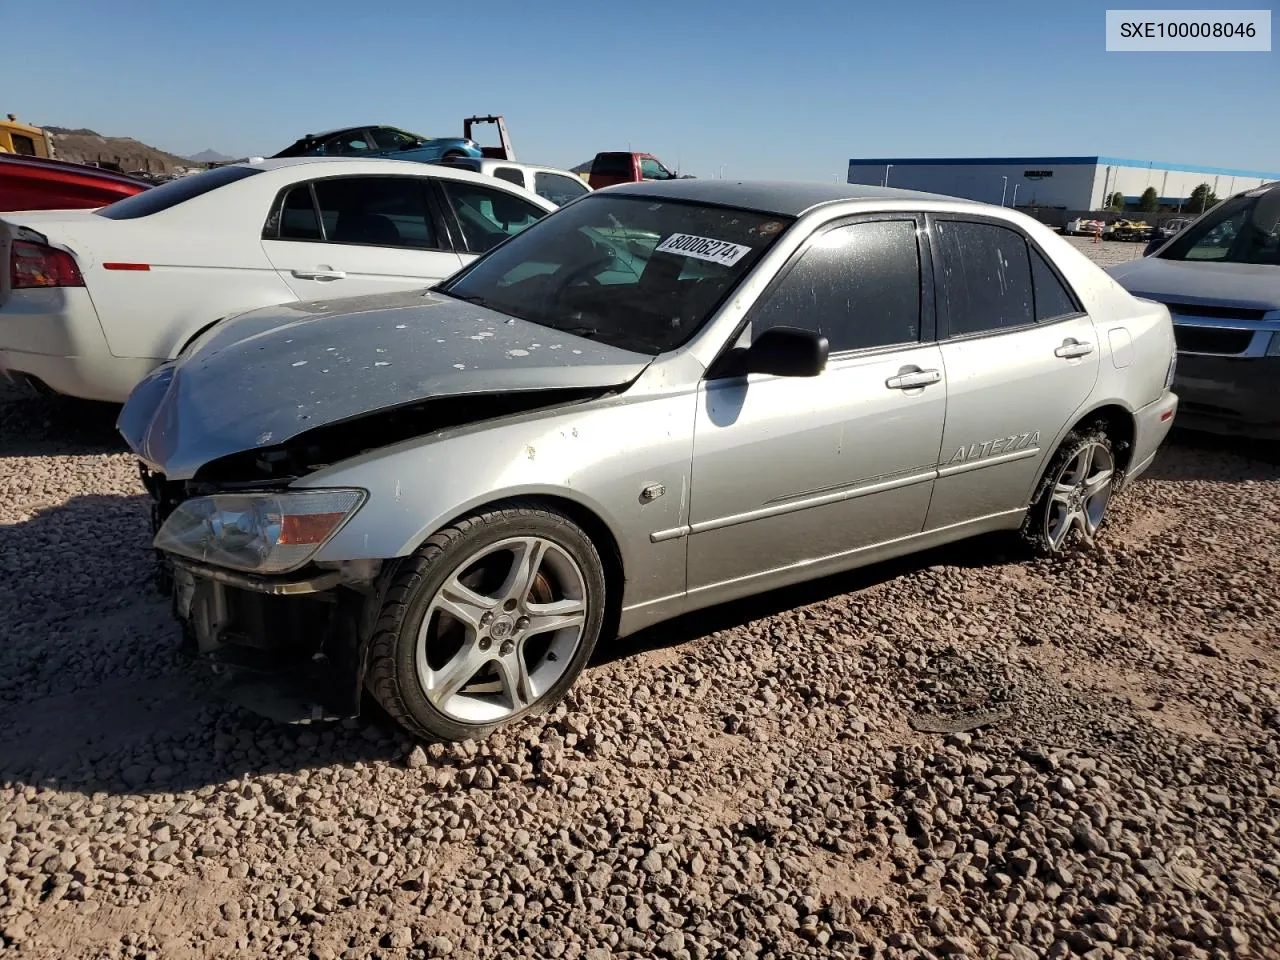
(1220, 278)
(660, 397)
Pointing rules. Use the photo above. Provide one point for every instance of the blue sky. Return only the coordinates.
(765, 89)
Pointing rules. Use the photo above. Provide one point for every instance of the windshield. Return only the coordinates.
(638, 274)
(1243, 229)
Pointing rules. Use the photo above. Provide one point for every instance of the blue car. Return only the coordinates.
(380, 141)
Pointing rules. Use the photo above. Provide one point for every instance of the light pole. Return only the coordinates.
(1015, 195)
(887, 168)
(1003, 187)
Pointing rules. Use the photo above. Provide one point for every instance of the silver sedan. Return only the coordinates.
(660, 397)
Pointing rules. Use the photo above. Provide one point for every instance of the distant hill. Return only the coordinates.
(209, 156)
(88, 146)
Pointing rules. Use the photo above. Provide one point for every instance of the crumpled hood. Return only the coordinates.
(262, 378)
(1245, 285)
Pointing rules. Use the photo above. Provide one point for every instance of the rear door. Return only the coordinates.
(351, 235)
(1021, 358)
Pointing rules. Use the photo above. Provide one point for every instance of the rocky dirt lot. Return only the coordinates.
(963, 754)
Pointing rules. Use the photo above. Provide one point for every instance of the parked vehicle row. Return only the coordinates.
(660, 397)
(1082, 226)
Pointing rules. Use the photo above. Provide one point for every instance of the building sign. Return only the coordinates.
(1037, 174)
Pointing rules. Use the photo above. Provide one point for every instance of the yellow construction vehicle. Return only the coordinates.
(24, 139)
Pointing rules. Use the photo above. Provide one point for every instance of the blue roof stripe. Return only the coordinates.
(1065, 161)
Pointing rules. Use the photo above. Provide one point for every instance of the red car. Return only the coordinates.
(38, 183)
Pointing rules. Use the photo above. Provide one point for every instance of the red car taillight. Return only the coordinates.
(36, 265)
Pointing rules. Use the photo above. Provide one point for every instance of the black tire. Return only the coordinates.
(1034, 530)
(391, 675)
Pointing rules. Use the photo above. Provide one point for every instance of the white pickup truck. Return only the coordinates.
(550, 183)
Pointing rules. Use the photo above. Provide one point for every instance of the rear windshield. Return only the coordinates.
(174, 192)
(612, 164)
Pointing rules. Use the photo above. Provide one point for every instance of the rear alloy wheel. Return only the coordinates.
(1072, 501)
(491, 621)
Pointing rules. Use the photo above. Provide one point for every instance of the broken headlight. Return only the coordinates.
(257, 532)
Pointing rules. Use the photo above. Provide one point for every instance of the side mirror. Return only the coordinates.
(1152, 246)
(788, 352)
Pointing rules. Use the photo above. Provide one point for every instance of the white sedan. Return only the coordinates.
(92, 300)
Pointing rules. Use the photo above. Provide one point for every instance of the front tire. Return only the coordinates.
(490, 622)
(1071, 502)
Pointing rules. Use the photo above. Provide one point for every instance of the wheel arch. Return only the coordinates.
(590, 519)
(1120, 425)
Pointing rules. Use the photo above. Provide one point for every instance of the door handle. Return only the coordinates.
(920, 378)
(1073, 348)
(320, 274)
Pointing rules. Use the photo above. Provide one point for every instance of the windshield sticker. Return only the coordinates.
(703, 248)
(769, 229)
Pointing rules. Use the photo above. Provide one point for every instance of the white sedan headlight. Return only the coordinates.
(257, 532)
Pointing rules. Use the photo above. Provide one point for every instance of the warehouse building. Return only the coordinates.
(1065, 183)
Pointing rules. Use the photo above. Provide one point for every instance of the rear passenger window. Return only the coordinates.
(298, 216)
(857, 285)
(378, 211)
(1053, 300)
(985, 277)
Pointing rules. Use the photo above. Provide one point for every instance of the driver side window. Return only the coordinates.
(858, 285)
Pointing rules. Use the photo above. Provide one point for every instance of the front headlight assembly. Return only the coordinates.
(257, 532)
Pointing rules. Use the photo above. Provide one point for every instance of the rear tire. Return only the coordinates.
(489, 622)
(1071, 501)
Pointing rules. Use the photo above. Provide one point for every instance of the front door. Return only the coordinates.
(1021, 358)
(791, 471)
(346, 236)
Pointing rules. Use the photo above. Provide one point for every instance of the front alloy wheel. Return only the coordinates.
(490, 621)
(501, 630)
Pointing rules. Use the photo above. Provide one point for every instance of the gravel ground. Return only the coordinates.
(962, 754)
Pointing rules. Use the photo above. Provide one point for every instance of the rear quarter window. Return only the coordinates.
(612, 164)
(174, 192)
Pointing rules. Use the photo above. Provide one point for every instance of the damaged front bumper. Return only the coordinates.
(293, 643)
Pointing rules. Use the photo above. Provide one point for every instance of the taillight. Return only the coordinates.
(36, 265)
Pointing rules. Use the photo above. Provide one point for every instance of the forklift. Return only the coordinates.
(504, 150)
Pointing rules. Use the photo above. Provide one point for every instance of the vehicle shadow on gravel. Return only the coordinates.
(34, 426)
(1191, 455)
(95, 693)
(978, 552)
